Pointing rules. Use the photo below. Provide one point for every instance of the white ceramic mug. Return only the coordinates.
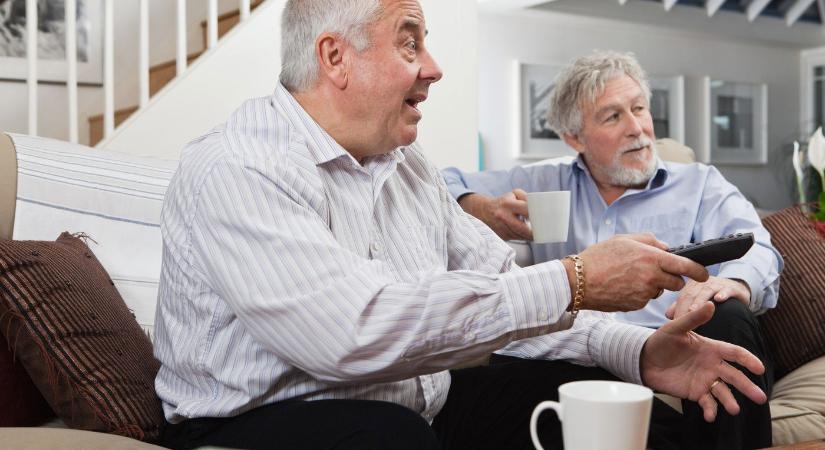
(549, 215)
(600, 414)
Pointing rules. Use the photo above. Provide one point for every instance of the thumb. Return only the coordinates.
(691, 320)
(520, 194)
(670, 310)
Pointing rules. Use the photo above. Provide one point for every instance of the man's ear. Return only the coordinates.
(329, 49)
(574, 141)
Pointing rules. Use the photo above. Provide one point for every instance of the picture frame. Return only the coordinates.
(51, 52)
(532, 86)
(738, 122)
(667, 106)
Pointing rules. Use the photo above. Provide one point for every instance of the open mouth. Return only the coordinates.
(414, 100)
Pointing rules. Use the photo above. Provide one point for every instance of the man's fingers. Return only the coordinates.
(743, 384)
(708, 404)
(725, 397)
(519, 228)
(679, 265)
(744, 358)
(520, 194)
(690, 321)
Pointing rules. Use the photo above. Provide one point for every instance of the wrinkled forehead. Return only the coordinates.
(399, 13)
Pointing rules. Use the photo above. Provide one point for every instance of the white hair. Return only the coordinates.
(304, 20)
(583, 81)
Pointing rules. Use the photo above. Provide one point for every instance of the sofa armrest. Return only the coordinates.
(8, 185)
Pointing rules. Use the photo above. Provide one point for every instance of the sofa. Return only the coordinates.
(48, 186)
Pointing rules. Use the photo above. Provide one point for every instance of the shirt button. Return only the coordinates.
(608, 221)
(376, 247)
(542, 314)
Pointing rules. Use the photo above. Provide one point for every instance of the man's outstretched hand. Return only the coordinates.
(679, 362)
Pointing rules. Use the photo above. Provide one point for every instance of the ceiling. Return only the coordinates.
(791, 11)
(796, 23)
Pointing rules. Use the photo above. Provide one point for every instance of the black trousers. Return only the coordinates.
(751, 428)
(487, 407)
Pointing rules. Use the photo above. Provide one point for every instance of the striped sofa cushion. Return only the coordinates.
(112, 197)
(795, 329)
(82, 347)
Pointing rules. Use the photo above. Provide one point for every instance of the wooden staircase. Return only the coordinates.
(161, 74)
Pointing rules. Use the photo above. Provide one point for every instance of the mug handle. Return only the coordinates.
(541, 407)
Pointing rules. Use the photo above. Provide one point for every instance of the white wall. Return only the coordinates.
(52, 102)
(555, 38)
(448, 132)
(246, 64)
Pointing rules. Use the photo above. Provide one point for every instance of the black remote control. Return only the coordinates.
(715, 251)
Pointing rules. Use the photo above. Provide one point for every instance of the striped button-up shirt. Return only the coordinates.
(291, 271)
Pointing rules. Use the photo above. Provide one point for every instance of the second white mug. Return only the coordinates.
(600, 414)
(549, 215)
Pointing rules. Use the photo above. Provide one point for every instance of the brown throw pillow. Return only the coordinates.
(77, 339)
(795, 329)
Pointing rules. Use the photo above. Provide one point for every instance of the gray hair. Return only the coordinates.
(583, 81)
(304, 20)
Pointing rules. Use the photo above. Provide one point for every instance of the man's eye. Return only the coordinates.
(639, 109)
(412, 45)
(612, 117)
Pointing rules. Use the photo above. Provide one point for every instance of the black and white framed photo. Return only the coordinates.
(738, 122)
(532, 88)
(667, 106)
(51, 40)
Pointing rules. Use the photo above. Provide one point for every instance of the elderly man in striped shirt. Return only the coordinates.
(319, 281)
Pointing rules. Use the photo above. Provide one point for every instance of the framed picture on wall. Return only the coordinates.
(533, 84)
(738, 122)
(667, 106)
(51, 40)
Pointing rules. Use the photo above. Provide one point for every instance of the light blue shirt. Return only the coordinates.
(681, 203)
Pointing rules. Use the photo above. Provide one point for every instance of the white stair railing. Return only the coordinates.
(31, 54)
(71, 67)
(108, 57)
(143, 64)
(108, 68)
(181, 60)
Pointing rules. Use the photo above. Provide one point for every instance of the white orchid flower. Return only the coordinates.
(797, 167)
(816, 151)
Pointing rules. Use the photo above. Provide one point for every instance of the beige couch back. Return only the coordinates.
(8, 185)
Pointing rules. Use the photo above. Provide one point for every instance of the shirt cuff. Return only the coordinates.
(617, 347)
(745, 272)
(538, 297)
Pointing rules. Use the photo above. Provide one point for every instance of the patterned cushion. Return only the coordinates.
(76, 338)
(794, 329)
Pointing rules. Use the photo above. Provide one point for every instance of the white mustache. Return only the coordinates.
(640, 142)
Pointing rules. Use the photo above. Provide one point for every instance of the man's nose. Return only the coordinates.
(634, 126)
(429, 68)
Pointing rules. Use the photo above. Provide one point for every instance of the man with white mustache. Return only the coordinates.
(600, 107)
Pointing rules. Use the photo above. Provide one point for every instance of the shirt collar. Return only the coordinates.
(320, 144)
(658, 179)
